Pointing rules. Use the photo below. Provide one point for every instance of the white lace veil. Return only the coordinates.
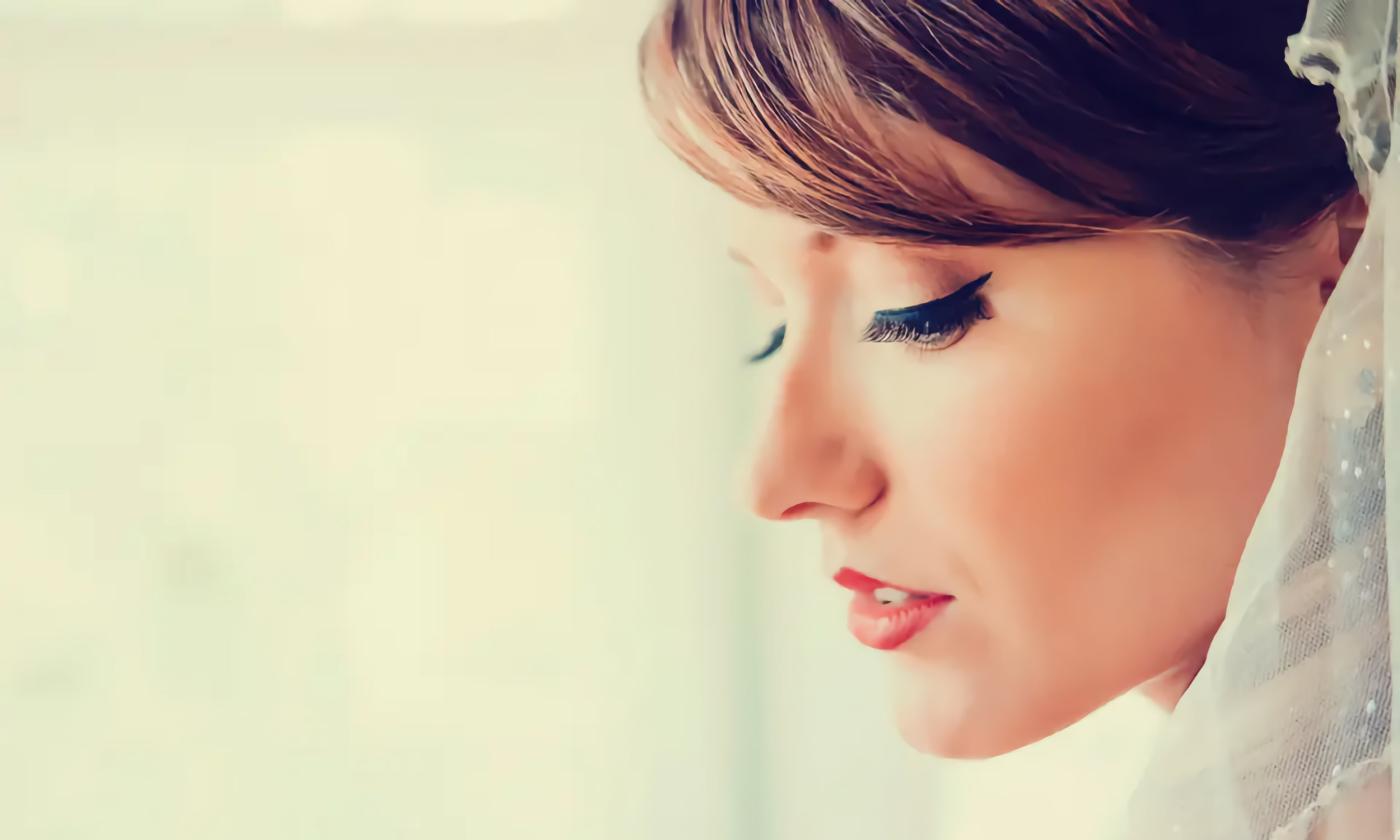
(1286, 732)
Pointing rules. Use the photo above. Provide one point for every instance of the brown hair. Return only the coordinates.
(1174, 115)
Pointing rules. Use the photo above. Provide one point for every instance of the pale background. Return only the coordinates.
(370, 394)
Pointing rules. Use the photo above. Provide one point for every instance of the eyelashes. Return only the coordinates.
(934, 325)
(774, 342)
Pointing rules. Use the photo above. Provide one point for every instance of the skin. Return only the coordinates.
(1079, 471)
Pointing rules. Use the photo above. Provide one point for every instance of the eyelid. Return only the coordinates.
(963, 293)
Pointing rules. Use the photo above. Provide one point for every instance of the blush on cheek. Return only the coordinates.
(1038, 492)
(1073, 477)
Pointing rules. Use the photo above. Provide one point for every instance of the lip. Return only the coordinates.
(887, 626)
(858, 582)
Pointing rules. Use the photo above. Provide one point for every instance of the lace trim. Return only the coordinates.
(1356, 776)
(1342, 44)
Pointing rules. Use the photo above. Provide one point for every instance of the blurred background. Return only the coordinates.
(371, 393)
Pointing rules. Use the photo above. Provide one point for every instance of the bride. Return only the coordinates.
(1078, 363)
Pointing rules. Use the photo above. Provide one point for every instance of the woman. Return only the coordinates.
(1043, 278)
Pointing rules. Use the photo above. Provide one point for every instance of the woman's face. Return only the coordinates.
(1078, 467)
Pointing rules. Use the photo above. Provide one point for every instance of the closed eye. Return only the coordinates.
(932, 325)
(774, 342)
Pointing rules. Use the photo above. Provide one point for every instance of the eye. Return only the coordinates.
(935, 325)
(774, 342)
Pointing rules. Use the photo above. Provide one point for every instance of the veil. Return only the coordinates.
(1286, 732)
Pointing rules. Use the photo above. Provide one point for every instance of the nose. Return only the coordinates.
(810, 461)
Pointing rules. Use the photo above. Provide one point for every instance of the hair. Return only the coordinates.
(1176, 116)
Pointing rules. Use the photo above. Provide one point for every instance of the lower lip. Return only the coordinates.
(887, 626)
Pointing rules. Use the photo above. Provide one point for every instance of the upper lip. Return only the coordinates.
(860, 582)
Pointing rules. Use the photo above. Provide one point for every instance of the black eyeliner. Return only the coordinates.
(936, 306)
(912, 324)
(929, 325)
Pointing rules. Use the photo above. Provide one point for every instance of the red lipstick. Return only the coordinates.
(885, 616)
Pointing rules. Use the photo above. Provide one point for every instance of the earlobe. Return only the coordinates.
(1325, 290)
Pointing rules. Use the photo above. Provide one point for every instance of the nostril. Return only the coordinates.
(879, 497)
(801, 510)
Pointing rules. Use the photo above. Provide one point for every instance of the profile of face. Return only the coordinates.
(1041, 278)
(1066, 443)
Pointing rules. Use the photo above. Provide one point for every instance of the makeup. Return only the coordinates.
(884, 616)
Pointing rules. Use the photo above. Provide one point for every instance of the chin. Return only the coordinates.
(948, 721)
(931, 736)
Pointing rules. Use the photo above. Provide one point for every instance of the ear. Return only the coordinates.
(1345, 225)
(1351, 220)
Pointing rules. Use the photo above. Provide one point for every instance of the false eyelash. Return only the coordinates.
(926, 325)
(926, 329)
(923, 325)
(774, 343)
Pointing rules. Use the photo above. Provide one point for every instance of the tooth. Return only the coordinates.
(890, 595)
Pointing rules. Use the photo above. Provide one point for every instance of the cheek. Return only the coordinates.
(1026, 469)
(1092, 497)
